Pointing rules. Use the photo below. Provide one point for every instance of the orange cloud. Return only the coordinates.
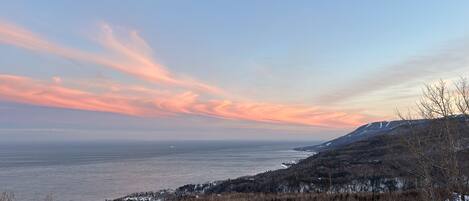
(26, 90)
(131, 57)
(277, 113)
(153, 103)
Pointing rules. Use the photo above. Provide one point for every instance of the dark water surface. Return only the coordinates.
(99, 170)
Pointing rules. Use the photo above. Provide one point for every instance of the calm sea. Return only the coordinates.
(99, 171)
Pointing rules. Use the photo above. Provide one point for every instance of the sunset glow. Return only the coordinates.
(305, 70)
(134, 59)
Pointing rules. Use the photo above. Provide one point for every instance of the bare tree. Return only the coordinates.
(421, 167)
(462, 100)
(435, 145)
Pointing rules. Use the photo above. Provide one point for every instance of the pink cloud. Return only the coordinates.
(278, 113)
(27, 90)
(131, 57)
(153, 103)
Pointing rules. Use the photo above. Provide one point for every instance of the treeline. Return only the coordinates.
(400, 196)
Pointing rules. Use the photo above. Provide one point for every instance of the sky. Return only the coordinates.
(237, 70)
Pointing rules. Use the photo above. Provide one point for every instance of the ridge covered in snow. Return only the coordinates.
(361, 133)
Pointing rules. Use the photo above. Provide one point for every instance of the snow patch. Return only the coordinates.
(387, 124)
(458, 197)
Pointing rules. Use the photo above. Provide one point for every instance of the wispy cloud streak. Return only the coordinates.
(131, 57)
(153, 103)
(27, 90)
(445, 60)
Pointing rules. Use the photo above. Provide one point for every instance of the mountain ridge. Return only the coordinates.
(363, 132)
(371, 158)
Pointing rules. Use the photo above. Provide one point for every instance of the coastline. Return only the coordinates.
(189, 189)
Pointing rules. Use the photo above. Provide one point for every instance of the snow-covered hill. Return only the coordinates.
(361, 133)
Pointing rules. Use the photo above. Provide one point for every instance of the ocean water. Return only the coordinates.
(91, 171)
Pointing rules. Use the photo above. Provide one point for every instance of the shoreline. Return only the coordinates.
(165, 193)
